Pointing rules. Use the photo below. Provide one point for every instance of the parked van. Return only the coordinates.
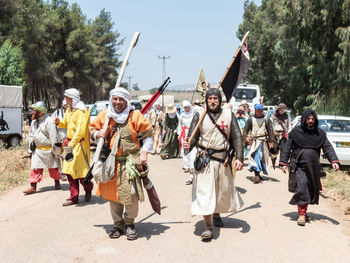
(247, 92)
(10, 115)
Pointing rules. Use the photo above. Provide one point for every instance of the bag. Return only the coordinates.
(201, 161)
(104, 169)
(292, 180)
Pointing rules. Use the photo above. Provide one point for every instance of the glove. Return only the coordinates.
(32, 146)
(68, 153)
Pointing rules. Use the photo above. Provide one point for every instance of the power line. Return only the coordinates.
(164, 71)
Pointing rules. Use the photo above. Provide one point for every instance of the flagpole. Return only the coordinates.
(219, 84)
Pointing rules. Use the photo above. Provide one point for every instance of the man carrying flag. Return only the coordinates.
(217, 135)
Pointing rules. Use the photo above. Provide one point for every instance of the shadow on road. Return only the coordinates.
(266, 178)
(64, 187)
(241, 190)
(257, 205)
(228, 223)
(293, 216)
(94, 200)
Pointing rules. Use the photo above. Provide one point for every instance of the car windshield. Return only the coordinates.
(244, 94)
(334, 125)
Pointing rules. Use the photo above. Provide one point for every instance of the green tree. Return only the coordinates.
(11, 65)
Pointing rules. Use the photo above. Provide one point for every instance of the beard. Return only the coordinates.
(310, 127)
(214, 108)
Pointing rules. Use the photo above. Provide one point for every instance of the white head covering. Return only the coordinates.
(156, 103)
(186, 103)
(75, 96)
(111, 113)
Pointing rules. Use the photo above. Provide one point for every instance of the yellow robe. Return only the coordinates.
(77, 124)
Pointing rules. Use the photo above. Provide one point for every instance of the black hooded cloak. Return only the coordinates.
(310, 142)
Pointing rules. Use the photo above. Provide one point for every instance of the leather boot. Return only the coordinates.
(31, 189)
(57, 185)
(88, 196)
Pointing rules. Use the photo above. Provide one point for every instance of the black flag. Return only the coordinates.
(236, 73)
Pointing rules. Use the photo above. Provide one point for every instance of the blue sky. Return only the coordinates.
(193, 33)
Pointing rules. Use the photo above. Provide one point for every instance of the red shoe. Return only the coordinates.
(31, 189)
(69, 202)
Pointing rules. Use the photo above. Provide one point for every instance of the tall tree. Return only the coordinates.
(11, 65)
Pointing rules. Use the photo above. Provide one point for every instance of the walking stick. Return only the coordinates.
(122, 70)
(219, 84)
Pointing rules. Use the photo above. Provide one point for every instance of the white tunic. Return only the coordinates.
(213, 188)
(185, 122)
(43, 132)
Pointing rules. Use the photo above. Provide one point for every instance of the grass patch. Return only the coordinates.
(13, 169)
(337, 183)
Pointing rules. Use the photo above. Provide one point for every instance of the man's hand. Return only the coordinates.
(238, 165)
(284, 168)
(186, 145)
(101, 134)
(335, 166)
(56, 121)
(249, 140)
(143, 157)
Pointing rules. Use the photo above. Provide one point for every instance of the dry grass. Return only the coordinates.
(337, 184)
(13, 169)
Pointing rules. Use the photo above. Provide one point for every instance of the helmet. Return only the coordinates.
(39, 106)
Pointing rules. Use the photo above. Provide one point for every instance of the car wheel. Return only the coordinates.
(2, 143)
(14, 141)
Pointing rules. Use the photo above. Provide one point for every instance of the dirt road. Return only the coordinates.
(37, 228)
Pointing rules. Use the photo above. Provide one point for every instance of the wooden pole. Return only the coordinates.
(219, 84)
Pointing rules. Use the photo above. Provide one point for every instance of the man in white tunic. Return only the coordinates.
(261, 139)
(185, 122)
(213, 188)
(155, 118)
(42, 138)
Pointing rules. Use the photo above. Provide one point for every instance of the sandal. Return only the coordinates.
(207, 234)
(131, 233)
(188, 181)
(301, 220)
(116, 232)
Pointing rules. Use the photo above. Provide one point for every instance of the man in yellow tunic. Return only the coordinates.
(76, 121)
(125, 189)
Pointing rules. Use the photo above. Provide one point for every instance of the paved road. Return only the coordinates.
(37, 228)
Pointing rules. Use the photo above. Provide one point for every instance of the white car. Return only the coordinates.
(97, 107)
(295, 122)
(338, 134)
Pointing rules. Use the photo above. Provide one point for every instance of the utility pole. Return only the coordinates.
(129, 85)
(163, 76)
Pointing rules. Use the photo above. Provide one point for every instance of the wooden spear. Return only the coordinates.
(219, 84)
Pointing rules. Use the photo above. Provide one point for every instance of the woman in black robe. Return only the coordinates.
(303, 147)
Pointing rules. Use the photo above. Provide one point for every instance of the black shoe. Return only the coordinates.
(217, 221)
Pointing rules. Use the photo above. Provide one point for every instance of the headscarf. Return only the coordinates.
(186, 103)
(75, 96)
(215, 92)
(306, 137)
(111, 113)
(283, 116)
